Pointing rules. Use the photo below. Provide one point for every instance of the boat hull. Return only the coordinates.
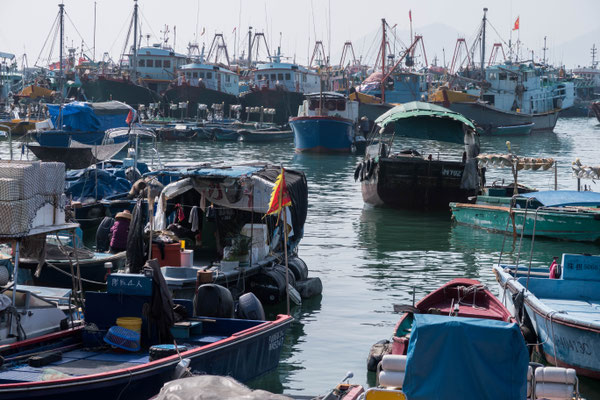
(512, 130)
(195, 95)
(63, 138)
(411, 182)
(322, 134)
(284, 102)
(104, 89)
(576, 226)
(564, 341)
(243, 356)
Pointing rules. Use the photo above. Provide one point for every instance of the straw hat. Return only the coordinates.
(124, 214)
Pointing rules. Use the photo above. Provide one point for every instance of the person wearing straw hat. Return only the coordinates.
(119, 231)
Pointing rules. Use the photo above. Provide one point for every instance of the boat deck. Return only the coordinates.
(80, 362)
(583, 310)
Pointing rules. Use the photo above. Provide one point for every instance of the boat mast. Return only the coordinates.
(62, 27)
(135, 27)
(94, 47)
(383, 60)
(483, 44)
(250, 47)
(545, 48)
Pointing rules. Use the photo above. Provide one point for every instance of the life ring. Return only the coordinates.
(357, 171)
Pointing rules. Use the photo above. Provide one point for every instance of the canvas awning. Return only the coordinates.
(422, 109)
(561, 198)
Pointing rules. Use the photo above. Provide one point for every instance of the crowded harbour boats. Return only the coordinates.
(211, 213)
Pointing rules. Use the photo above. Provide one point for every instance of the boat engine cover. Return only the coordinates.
(250, 307)
(213, 300)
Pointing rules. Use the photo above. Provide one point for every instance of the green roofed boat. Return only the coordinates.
(403, 178)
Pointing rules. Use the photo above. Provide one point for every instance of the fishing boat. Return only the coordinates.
(460, 297)
(406, 179)
(277, 84)
(497, 365)
(204, 81)
(557, 214)
(83, 122)
(77, 155)
(265, 135)
(512, 130)
(327, 122)
(80, 362)
(560, 304)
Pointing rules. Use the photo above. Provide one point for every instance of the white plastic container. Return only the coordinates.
(187, 258)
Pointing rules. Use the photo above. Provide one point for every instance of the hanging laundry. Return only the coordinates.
(194, 219)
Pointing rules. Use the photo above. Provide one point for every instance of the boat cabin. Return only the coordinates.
(157, 66)
(209, 76)
(286, 76)
(329, 104)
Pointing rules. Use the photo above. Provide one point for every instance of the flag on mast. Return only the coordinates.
(410, 15)
(516, 27)
(279, 196)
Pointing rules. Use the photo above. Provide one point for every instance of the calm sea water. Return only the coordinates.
(369, 258)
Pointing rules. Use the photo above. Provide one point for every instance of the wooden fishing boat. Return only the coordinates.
(405, 179)
(265, 135)
(77, 155)
(77, 363)
(563, 311)
(460, 297)
(557, 214)
(512, 130)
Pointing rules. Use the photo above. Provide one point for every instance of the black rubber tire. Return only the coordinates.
(357, 171)
(156, 353)
(299, 268)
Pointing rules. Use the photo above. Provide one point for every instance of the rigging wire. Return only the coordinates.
(52, 29)
(80, 37)
(129, 18)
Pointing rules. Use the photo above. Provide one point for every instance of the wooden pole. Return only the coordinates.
(287, 271)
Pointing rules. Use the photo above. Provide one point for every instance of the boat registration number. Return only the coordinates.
(451, 172)
(276, 340)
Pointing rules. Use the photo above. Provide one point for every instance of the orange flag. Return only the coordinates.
(516, 24)
(279, 197)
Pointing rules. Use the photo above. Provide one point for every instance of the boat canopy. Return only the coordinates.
(422, 109)
(242, 187)
(89, 117)
(561, 198)
(466, 357)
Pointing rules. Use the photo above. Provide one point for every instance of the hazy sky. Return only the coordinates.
(26, 23)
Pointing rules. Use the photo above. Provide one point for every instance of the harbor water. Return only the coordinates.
(371, 258)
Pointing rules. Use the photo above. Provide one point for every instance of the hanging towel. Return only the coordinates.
(194, 220)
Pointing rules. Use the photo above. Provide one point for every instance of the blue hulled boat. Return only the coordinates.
(561, 304)
(326, 123)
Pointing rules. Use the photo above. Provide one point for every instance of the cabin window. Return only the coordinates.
(158, 63)
(313, 104)
(209, 75)
(167, 63)
(141, 63)
(492, 76)
(201, 75)
(303, 77)
(513, 78)
(227, 78)
(259, 77)
(194, 74)
(288, 77)
(273, 77)
(150, 63)
(341, 105)
(280, 77)
(187, 74)
(502, 76)
(330, 105)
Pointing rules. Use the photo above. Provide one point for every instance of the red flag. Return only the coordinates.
(410, 15)
(279, 197)
(129, 118)
(516, 24)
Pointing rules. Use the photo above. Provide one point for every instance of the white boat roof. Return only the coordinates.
(158, 51)
(207, 67)
(276, 65)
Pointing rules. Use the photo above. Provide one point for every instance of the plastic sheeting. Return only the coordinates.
(88, 117)
(465, 358)
(208, 387)
(82, 184)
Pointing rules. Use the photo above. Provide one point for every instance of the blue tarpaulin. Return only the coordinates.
(81, 184)
(465, 358)
(561, 198)
(89, 117)
(235, 171)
